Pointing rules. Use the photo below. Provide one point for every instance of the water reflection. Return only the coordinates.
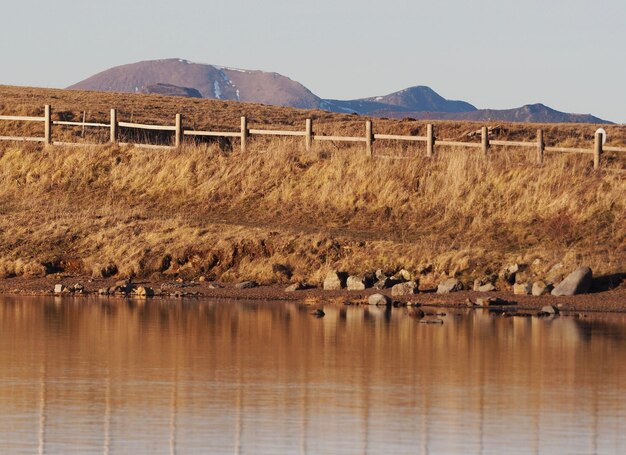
(79, 376)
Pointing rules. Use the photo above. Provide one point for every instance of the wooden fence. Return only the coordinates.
(308, 134)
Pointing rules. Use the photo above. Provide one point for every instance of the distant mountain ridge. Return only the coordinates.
(181, 77)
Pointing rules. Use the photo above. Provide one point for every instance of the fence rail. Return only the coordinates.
(244, 133)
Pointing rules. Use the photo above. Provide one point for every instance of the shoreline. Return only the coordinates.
(611, 301)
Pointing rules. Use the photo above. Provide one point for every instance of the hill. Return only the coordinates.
(210, 210)
(217, 82)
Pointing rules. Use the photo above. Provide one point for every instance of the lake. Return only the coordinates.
(229, 377)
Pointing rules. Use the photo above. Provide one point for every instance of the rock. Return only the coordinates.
(355, 283)
(410, 287)
(379, 299)
(103, 291)
(577, 282)
(416, 313)
(469, 303)
(509, 273)
(215, 285)
(550, 310)
(491, 301)
(295, 287)
(450, 285)
(246, 285)
(522, 288)
(403, 275)
(201, 279)
(334, 281)
(380, 275)
(541, 288)
(486, 288)
(384, 283)
(78, 288)
(143, 291)
(431, 321)
(318, 313)
(59, 288)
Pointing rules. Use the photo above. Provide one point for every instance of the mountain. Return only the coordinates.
(180, 77)
(211, 81)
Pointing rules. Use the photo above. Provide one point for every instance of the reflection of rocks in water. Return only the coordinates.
(589, 329)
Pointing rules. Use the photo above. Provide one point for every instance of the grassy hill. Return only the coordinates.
(208, 209)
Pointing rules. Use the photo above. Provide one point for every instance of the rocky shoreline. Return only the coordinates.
(572, 294)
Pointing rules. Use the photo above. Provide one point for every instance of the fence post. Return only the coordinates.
(368, 137)
(48, 124)
(485, 139)
(597, 151)
(113, 138)
(541, 146)
(309, 134)
(179, 131)
(244, 133)
(430, 140)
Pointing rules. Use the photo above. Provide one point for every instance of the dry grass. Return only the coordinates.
(210, 210)
(229, 216)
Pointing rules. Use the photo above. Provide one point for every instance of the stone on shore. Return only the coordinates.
(379, 299)
(522, 288)
(541, 288)
(59, 288)
(295, 287)
(549, 310)
(143, 291)
(486, 288)
(355, 283)
(246, 285)
(450, 285)
(334, 281)
(577, 282)
(408, 288)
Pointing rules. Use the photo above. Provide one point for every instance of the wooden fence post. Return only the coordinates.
(368, 137)
(113, 138)
(244, 133)
(597, 150)
(485, 140)
(541, 146)
(48, 124)
(179, 131)
(309, 134)
(430, 140)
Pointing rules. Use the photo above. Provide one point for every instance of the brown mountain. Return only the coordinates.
(211, 81)
(183, 78)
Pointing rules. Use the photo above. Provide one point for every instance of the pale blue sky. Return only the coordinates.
(568, 54)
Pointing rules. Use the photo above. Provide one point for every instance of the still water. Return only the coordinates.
(107, 377)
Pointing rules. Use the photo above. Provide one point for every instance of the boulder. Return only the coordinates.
(486, 288)
(143, 291)
(246, 285)
(540, 288)
(334, 281)
(410, 287)
(509, 273)
(403, 275)
(59, 288)
(103, 291)
(295, 287)
(379, 299)
(549, 310)
(450, 285)
(577, 282)
(522, 288)
(385, 283)
(355, 283)
(491, 301)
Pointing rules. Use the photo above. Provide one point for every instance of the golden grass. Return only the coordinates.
(200, 211)
(210, 210)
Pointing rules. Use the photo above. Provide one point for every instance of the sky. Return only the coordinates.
(499, 54)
